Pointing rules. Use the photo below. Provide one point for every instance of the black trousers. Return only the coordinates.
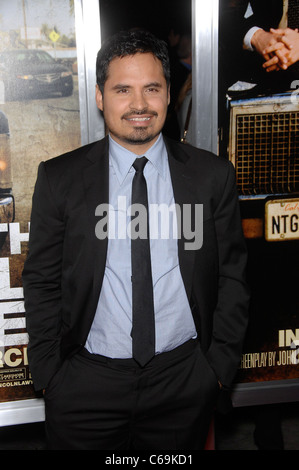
(96, 403)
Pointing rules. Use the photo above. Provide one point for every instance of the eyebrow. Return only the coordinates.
(120, 86)
(155, 84)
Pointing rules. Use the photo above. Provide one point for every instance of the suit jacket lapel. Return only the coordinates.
(96, 183)
(184, 193)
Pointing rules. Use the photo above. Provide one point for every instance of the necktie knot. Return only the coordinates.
(140, 163)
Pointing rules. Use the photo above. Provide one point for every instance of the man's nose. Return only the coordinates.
(138, 101)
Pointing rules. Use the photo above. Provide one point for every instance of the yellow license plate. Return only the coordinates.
(282, 219)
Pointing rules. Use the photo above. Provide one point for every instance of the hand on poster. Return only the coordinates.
(285, 52)
(264, 41)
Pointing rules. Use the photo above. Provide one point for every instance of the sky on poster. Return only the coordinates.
(51, 12)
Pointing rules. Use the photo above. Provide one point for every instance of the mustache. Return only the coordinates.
(138, 112)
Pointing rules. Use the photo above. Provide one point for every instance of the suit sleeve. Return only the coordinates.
(266, 14)
(42, 283)
(231, 313)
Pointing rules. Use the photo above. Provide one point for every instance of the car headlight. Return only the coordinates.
(25, 77)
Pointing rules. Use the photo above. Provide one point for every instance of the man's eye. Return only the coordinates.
(122, 90)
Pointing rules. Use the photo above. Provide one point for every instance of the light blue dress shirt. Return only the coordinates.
(110, 334)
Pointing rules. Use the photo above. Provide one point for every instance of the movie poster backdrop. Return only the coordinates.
(259, 132)
(39, 119)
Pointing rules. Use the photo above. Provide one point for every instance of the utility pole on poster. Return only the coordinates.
(25, 23)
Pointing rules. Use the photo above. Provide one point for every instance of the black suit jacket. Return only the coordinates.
(266, 14)
(63, 273)
(234, 62)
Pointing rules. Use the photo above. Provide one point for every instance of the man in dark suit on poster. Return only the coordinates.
(80, 284)
(256, 38)
(272, 32)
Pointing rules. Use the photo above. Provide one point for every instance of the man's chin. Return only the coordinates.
(140, 138)
(135, 139)
(139, 141)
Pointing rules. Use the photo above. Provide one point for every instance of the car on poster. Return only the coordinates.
(28, 73)
(6, 196)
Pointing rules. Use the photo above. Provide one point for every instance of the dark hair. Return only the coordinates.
(127, 43)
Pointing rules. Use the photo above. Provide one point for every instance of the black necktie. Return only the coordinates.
(293, 14)
(143, 330)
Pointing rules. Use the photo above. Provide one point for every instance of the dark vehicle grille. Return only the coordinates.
(266, 152)
(48, 78)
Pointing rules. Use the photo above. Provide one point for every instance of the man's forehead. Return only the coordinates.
(123, 62)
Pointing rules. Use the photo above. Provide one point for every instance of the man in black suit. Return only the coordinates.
(257, 41)
(271, 31)
(80, 291)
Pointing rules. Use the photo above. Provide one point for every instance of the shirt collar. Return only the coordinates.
(122, 159)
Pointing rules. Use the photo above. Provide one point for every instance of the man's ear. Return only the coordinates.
(99, 98)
